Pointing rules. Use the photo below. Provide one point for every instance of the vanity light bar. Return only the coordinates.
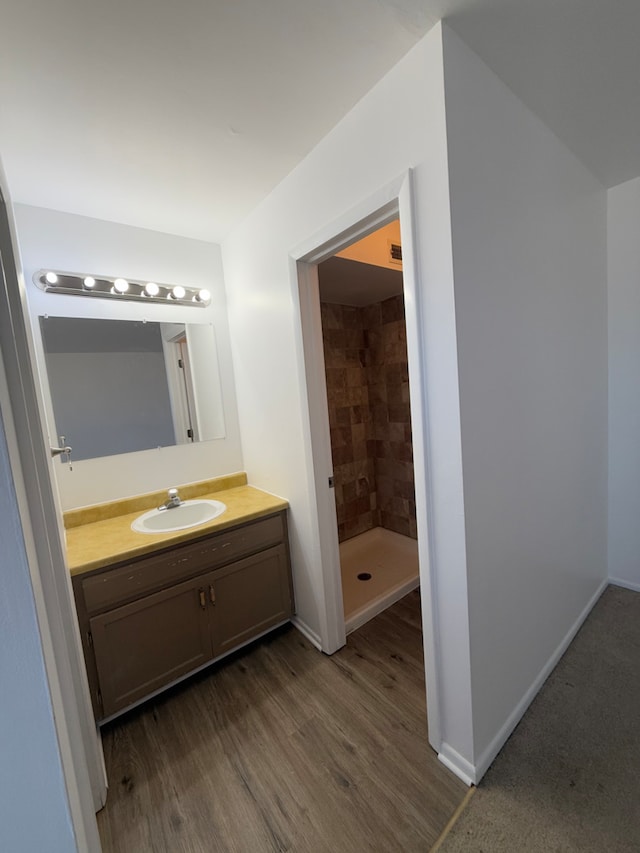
(104, 287)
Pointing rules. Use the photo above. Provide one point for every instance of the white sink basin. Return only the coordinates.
(188, 514)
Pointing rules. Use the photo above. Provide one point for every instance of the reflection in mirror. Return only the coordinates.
(119, 386)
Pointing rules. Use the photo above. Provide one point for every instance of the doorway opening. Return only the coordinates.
(390, 202)
(367, 384)
(180, 383)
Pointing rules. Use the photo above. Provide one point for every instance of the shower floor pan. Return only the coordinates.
(392, 561)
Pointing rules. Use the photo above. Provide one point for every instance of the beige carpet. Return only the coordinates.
(568, 778)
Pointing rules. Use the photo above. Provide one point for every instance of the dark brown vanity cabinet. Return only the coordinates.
(150, 621)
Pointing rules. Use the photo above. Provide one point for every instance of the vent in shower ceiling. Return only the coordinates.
(395, 253)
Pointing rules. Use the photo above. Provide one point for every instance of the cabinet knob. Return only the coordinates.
(212, 594)
(203, 600)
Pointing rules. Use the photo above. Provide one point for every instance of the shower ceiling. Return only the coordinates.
(353, 283)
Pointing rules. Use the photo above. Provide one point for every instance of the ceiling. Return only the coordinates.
(181, 117)
(355, 283)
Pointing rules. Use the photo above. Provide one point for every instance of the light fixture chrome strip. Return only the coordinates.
(105, 287)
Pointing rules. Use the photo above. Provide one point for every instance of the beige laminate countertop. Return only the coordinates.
(99, 543)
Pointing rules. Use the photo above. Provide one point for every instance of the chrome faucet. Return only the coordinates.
(173, 500)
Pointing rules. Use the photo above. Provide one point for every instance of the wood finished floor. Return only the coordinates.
(282, 748)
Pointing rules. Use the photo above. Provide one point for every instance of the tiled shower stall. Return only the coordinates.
(367, 376)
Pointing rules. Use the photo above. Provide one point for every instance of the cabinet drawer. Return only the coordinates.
(115, 586)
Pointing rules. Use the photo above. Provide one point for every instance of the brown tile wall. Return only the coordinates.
(391, 444)
(349, 418)
(368, 393)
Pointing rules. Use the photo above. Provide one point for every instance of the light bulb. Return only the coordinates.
(89, 282)
(51, 278)
(151, 289)
(178, 292)
(203, 295)
(121, 285)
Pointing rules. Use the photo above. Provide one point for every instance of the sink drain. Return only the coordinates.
(364, 576)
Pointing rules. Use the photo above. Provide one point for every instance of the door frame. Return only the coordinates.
(180, 384)
(41, 520)
(396, 199)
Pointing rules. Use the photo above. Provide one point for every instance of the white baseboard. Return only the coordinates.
(489, 754)
(311, 635)
(634, 587)
(462, 768)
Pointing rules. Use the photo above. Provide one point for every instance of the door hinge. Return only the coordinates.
(90, 639)
(332, 482)
(189, 433)
(180, 363)
(99, 698)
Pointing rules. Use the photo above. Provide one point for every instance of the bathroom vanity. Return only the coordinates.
(159, 610)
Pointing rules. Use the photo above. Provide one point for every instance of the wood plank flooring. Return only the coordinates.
(281, 748)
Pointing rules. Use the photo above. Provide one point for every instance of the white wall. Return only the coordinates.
(529, 258)
(130, 407)
(624, 383)
(205, 373)
(364, 152)
(50, 239)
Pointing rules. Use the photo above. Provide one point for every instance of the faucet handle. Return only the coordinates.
(173, 499)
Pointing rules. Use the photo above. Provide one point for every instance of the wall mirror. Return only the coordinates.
(118, 386)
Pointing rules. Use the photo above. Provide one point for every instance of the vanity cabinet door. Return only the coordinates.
(249, 597)
(142, 646)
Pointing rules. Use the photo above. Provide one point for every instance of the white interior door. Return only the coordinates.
(41, 519)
